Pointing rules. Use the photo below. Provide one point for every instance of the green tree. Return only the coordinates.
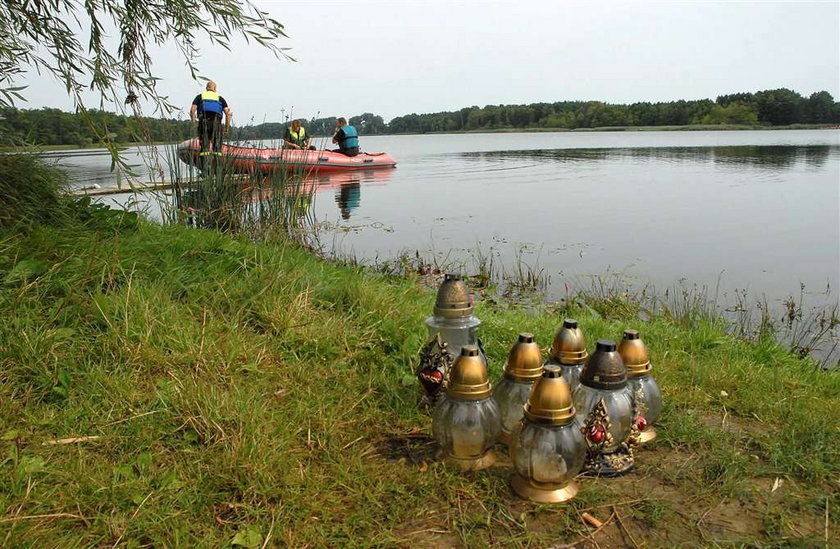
(733, 113)
(820, 108)
(779, 107)
(642, 114)
(521, 116)
(368, 123)
(745, 98)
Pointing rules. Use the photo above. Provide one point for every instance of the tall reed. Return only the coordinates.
(809, 331)
(218, 194)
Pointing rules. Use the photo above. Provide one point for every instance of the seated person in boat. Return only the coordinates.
(296, 138)
(346, 138)
(207, 109)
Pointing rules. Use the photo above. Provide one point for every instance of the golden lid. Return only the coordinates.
(550, 400)
(453, 298)
(524, 361)
(569, 346)
(634, 354)
(468, 378)
(604, 369)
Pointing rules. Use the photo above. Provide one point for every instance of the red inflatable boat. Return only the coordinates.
(253, 159)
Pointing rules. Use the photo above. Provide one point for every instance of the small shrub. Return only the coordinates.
(31, 191)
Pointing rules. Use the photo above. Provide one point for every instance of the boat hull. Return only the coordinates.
(258, 160)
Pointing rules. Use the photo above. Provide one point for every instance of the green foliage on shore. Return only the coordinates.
(767, 108)
(30, 191)
(56, 127)
(166, 386)
(32, 195)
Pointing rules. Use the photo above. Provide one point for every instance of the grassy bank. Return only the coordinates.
(179, 387)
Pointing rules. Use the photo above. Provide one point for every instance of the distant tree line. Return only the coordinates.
(55, 127)
(778, 107)
(367, 124)
(770, 107)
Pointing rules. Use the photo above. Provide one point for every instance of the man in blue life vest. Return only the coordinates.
(346, 137)
(207, 109)
(296, 138)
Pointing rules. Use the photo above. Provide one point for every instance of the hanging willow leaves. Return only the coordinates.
(46, 36)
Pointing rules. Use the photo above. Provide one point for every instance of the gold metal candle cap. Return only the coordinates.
(550, 400)
(569, 346)
(468, 378)
(634, 354)
(604, 369)
(453, 298)
(524, 361)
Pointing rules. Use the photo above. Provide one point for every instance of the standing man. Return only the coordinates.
(207, 108)
(346, 138)
(296, 138)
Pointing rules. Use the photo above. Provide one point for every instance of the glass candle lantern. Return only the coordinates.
(647, 398)
(523, 367)
(568, 350)
(466, 421)
(547, 446)
(452, 326)
(453, 317)
(604, 404)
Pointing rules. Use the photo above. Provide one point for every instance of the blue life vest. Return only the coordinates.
(211, 102)
(351, 137)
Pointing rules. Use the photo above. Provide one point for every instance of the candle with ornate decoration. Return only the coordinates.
(452, 326)
(606, 408)
(647, 398)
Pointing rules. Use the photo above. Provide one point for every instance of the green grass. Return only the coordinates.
(250, 394)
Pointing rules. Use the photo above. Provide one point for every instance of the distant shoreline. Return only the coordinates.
(686, 128)
(91, 147)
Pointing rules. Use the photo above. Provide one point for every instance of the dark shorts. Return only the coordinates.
(210, 134)
(352, 151)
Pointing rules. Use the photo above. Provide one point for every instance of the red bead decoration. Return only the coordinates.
(641, 423)
(432, 380)
(596, 434)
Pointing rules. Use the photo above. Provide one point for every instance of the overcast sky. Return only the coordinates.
(395, 57)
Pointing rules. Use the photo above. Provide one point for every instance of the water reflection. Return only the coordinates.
(88, 167)
(348, 197)
(658, 206)
(772, 156)
(348, 187)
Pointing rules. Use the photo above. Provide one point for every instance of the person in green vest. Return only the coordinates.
(296, 137)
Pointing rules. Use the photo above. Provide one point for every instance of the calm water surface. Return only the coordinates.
(756, 211)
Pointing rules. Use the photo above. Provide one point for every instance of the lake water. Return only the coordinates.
(747, 210)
